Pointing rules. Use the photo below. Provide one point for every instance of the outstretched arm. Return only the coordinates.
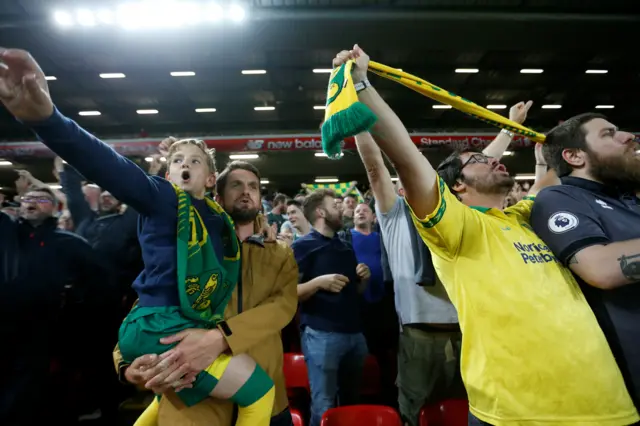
(377, 172)
(499, 145)
(24, 92)
(417, 175)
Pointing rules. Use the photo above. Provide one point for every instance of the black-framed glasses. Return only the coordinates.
(39, 200)
(476, 158)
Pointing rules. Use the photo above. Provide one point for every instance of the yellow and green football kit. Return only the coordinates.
(532, 350)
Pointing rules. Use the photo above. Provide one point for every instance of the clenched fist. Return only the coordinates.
(361, 59)
(23, 88)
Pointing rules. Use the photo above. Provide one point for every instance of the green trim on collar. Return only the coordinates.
(530, 197)
(481, 209)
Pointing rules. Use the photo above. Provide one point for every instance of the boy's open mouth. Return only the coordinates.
(186, 175)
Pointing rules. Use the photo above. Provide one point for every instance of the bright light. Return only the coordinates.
(322, 70)
(319, 107)
(85, 18)
(596, 71)
(63, 19)
(49, 77)
(531, 71)
(105, 16)
(264, 108)
(525, 177)
(496, 107)
(264, 181)
(253, 72)
(467, 70)
(507, 153)
(441, 106)
(604, 106)
(88, 113)
(148, 159)
(236, 13)
(395, 179)
(5, 163)
(147, 111)
(243, 156)
(112, 75)
(322, 154)
(205, 110)
(327, 180)
(54, 186)
(551, 106)
(214, 12)
(182, 73)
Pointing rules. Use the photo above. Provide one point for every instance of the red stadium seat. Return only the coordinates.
(371, 377)
(451, 412)
(360, 415)
(297, 417)
(454, 412)
(295, 374)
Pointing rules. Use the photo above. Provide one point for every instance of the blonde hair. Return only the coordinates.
(210, 154)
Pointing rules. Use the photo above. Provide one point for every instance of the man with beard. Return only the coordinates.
(263, 303)
(592, 224)
(532, 350)
(330, 283)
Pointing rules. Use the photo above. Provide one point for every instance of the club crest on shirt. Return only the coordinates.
(562, 222)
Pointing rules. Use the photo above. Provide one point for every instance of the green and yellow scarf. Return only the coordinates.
(345, 116)
(204, 284)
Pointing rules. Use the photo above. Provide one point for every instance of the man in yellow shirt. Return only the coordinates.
(532, 350)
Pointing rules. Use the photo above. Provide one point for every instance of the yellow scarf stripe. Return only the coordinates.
(444, 96)
(339, 188)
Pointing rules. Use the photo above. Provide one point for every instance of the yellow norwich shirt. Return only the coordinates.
(532, 351)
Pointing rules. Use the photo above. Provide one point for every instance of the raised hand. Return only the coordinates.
(23, 88)
(540, 161)
(518, 112)
(164, 146)
(362, 62)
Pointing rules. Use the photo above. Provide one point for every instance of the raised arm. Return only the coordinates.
(544, 177)
(71, 182)
(24, 92)
(417, 175)
(499, 145)
(377, 172)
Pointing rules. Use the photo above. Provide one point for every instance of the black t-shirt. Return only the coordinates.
(582, 213)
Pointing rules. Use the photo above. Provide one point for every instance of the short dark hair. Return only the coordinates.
(279, 199)
(568, 135)
(351, 195)
(294, 202)
(450, 169)
(315, 200)
(221, 182)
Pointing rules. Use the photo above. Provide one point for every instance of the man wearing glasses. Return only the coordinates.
(42, 268)
(532, 350)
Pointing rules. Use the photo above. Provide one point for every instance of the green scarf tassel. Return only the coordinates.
(344, 115)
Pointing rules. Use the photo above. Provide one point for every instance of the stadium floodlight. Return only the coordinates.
(63, 19)
(551, 106)
(237, 13)
(147, 111)
(467, 70)
(327, 180)
(244, 156)
(50, 77)
(496, 106)
(89, 113)
(214, 12)
(441, 106)
(264, 108)
(105, 16)
(85, 18)
(202, 110)
(182, 73)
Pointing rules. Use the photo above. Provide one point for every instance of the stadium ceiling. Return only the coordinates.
(284, 41)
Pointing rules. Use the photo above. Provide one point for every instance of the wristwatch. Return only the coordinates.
(508, 133)
(362, 85)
